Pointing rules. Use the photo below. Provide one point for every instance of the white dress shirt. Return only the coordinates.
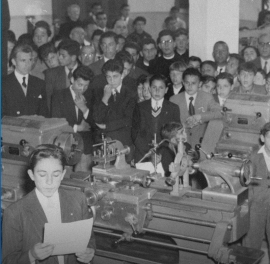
(156, 104)
(52, 210)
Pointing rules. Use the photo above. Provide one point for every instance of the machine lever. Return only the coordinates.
(208, 155)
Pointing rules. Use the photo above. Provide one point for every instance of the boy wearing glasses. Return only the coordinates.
(263, 61)
(160, 65)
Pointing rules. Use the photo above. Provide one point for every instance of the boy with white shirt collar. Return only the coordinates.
(197, 108)
(176, 74)
(114, 107)
(224, 87)
(259, 194)
(24, 220)
(74, 104)
(150, 115)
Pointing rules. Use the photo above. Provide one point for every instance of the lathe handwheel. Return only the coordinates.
(72, 144)
(246, 172)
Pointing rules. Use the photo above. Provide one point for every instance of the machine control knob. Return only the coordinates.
(106, 214)
(258, 114)
(230, 155)
(226, 109)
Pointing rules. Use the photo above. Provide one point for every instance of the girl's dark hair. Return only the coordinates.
(46, 151)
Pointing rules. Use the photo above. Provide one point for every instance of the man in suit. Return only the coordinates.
(263, 61)
(24, 220)
(114, 109)
(109, 45)
(150, 115)
(221, 55)
(22, 93)
(58, 78)
(74, 104)
(197, 108)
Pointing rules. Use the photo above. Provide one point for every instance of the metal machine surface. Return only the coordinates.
(134, 207)
(20, 135)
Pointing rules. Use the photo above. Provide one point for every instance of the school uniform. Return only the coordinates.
(172, 91)
(148, 121)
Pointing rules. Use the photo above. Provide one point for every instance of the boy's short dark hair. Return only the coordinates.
(169, 130)
(84, 73)
(174, 8)
(113, 66)
(168, 20)
(119, 36)
(180, 31)
(20, 47)
(225, 76)
(248, 67)
(11, 37)
(46, 49)
(95, 4)
(262, 72)
(194, 58)
(207, 78)
(192, 72)
(132, 45)
(265, 129)
(209, 62)
(147, 41)
(124, 56)
(43, 24)
(45, 151)
(159, 77)
(25, 38)
(72, 47)
(139, 19)
(178, 66)
(108, 34)
(237, 57)
(142, 79)
(165, 32)
(97, 32)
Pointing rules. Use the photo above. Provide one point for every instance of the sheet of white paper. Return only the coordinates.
(68, 238)
(150, 167)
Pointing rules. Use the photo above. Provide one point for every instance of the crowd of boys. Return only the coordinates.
(122, 83)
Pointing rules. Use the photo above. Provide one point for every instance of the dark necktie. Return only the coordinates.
(70, 74)
(191, 108)
(265, 67)
(24, 83)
